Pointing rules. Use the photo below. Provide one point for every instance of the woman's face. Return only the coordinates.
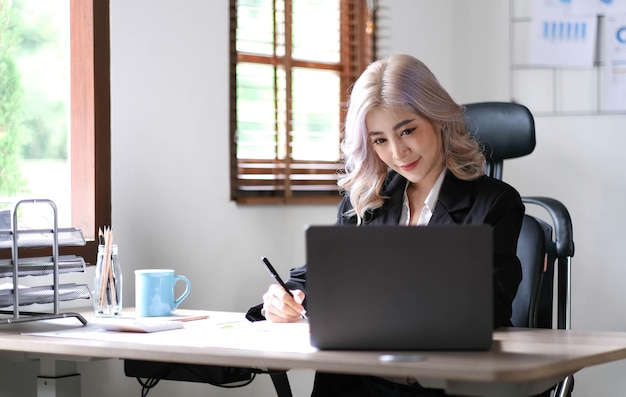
(408, 143)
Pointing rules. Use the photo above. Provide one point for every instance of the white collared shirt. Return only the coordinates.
(429, 203)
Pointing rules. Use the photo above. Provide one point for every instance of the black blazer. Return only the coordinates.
(481, 201)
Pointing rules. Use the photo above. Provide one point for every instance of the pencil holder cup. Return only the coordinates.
(107, 294)
(154, 292)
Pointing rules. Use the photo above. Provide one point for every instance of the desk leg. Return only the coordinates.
(58, 379)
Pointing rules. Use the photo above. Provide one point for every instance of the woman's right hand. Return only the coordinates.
(280, 307)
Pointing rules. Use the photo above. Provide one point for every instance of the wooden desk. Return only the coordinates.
(522, 361)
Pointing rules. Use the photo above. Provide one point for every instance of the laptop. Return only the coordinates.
(400, 287)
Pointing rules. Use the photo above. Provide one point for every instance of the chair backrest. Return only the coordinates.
(505, 131)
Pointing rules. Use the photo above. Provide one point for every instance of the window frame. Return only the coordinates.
(285, 180)
(90, 126)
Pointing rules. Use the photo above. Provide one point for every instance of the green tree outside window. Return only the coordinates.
(12, 135)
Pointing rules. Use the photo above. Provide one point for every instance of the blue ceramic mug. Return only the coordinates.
(154, 292)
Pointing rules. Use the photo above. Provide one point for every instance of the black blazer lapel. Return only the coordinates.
(454, 198)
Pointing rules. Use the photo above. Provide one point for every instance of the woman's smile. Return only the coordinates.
(410, 166)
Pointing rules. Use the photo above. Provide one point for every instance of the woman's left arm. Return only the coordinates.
(506, 217)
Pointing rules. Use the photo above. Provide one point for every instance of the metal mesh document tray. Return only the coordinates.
(16, 234)
(45, 294)
(42, 238)
(42, 266)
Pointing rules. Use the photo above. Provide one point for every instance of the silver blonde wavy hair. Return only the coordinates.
(400, 82)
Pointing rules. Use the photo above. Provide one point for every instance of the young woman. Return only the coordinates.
(409, 160)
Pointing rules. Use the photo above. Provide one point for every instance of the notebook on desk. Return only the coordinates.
(399, 287)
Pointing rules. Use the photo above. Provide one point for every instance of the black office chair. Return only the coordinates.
(505, 131)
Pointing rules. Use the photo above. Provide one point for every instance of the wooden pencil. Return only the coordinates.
(106, 265)
(102, 278)
(110, 272)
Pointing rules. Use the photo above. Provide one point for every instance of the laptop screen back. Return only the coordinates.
(399, 287)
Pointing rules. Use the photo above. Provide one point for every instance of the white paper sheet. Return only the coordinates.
(561, 36)
(614, 63)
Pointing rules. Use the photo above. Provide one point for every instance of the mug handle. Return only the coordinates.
(185, 293)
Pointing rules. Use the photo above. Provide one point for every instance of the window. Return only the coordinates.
(292, 64)
(88, 89)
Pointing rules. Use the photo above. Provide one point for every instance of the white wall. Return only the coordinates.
(577, 160)
(170, 167)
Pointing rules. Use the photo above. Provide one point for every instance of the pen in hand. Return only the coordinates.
(279, 280)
